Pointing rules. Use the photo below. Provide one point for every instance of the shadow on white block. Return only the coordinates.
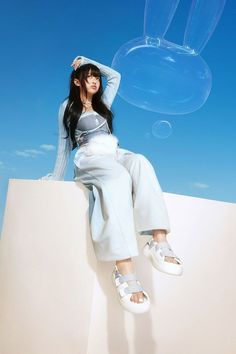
(56, 298)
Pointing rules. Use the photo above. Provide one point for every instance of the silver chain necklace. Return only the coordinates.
(87, 103)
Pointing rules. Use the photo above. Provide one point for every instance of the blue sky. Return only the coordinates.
(39, 39)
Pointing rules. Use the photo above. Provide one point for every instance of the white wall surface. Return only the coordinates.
(56, 298)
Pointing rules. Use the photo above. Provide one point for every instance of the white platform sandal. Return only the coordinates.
(156, 253)
(125, 291)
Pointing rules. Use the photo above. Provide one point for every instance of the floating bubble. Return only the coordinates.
(161, 76)
(161, 129)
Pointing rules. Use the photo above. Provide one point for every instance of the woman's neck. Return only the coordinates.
(87, 102)
(88, 98)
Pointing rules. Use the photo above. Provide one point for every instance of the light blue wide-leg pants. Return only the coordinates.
(125, 198)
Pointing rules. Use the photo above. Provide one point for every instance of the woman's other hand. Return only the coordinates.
(76, 63)
(48, 177)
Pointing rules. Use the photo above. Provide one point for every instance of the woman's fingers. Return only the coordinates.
(76, 63)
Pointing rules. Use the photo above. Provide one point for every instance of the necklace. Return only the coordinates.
(87, 103)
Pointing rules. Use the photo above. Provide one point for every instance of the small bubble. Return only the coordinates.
(161, 129)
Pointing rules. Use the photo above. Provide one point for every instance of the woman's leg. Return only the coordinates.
(111, 211)
(112, 221)
(150, 211)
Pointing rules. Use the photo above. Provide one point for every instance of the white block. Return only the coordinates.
(56, 298)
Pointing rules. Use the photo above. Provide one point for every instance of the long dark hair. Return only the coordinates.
(74, 106)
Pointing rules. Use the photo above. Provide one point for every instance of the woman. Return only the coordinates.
(125, 195)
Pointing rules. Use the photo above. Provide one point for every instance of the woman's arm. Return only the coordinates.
(63, 150)
(112, 76)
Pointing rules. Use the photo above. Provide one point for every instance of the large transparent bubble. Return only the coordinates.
(161, 76)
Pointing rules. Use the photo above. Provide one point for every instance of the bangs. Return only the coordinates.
(94, 72)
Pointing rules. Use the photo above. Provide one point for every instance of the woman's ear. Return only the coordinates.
(76, 82)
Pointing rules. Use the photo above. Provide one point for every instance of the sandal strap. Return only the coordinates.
(164, 246)
(124, 288)
(127, 277)
(133, 288)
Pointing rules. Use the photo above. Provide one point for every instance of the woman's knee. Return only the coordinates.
(143, 161)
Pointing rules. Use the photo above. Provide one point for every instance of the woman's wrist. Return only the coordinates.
(77, 62)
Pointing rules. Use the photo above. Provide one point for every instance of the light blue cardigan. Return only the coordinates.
(65, 145)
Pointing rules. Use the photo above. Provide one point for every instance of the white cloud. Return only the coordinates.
(22, 153)
(34, 152)
(28, 152)
(200, 185)
(47, 147)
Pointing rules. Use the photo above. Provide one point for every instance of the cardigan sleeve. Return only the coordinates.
(112, 76)
(64, 149)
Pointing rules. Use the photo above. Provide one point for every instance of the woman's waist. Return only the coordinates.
(86, 138)
(103, 143)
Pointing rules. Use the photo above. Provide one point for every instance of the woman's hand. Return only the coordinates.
(48, 177)
(76, 63)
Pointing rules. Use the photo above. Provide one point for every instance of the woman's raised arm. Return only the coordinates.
(113, 79)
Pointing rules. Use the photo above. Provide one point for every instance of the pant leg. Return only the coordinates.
(111, 219)
(150, 211)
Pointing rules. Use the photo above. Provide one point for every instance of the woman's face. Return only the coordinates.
(92, 83)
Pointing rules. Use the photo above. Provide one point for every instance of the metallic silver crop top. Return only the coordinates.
(89, 125)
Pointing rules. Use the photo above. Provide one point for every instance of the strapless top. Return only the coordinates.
(89, 125)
